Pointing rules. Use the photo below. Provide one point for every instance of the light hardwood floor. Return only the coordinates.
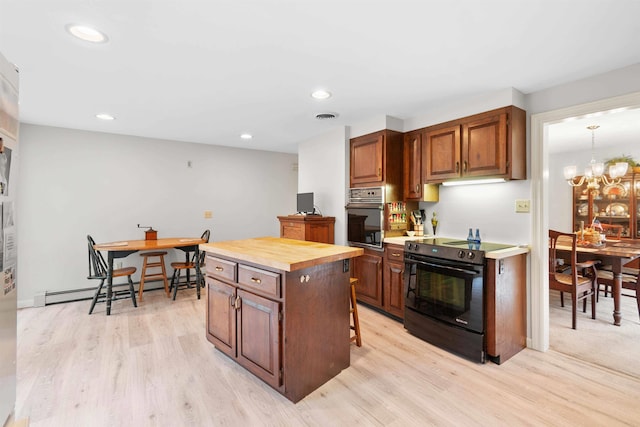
(152, 366)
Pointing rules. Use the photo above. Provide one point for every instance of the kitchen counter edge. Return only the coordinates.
(280, 253)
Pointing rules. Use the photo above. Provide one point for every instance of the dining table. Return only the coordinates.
(122, 249)
(615, 253)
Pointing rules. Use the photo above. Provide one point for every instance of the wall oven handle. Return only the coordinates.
(440, 266)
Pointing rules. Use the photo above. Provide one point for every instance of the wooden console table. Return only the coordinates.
(312, 228)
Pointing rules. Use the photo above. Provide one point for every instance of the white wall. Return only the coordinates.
(323, 170)
(74, 183)
(488, 207)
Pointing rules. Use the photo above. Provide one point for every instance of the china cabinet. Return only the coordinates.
(609, 204)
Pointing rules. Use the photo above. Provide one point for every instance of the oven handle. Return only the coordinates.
(352, 205)
(442, 267)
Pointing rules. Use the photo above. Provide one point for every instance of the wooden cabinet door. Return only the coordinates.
(321, 233)
(367, 159)
(368, 270)
(393, 288)
(292, 230)
(412, 163)
(484, 146)
(441, 154)
(259, 337)
(221, 316)
(506, 307)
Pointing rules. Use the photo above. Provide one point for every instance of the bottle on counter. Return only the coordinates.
(477, 235)
(470, 236)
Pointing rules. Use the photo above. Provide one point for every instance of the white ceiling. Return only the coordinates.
(616, 127)
(207, 71)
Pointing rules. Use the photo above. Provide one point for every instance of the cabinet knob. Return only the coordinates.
(219, 269)
(395, 254)
(255, 280)
(457, 167)
(379, 171)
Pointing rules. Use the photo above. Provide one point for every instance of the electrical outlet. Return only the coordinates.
(523, 205)
(208, 214)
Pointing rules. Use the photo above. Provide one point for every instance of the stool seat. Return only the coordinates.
(354, 313)
(147, 276)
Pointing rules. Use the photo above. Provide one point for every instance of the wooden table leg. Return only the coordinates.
(617, 292)
(616, 269)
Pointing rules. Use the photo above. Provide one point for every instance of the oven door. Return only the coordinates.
(450, 291)
(365, 224)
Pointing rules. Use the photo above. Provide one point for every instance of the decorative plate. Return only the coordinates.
(616, 190)
(583, 209)
(617, 209)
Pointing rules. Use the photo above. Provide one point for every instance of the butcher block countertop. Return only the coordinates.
(282, 254)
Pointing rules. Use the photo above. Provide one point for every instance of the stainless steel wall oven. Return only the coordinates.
(365, 217)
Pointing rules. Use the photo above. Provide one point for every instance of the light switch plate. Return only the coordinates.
(523, 205)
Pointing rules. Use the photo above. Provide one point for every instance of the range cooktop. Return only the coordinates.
(462, 244)
(452, 249)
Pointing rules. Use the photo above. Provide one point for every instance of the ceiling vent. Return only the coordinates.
(326, 116)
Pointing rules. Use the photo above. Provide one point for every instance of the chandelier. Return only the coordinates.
(594, 172)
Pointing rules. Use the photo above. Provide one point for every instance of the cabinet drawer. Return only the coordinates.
(394, 253)
(221, 268)
(262, 281)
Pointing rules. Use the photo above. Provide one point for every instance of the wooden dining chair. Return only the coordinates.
(580, 286)
(630, 280)
(98, 271)
(612, 231)
(188, 266)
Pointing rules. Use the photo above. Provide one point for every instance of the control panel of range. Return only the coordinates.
(467, 255)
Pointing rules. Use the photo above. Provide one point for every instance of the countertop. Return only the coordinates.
(500, 254)
(282, 254)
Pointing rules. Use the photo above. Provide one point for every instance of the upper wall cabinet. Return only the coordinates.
(414, 188)
(490, 144)
(412, 165)
(376, 159)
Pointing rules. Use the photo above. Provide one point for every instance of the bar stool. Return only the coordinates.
(147, 277)
(354, 313)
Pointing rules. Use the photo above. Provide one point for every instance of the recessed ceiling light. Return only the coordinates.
(321, 94)
(105, 116)
(86, 33)
(246, 136)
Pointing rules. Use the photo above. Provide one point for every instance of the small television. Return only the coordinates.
(305, 203)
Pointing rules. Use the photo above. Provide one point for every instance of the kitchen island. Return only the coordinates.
(280, 308)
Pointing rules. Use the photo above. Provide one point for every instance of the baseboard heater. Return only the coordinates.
(71, 295)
